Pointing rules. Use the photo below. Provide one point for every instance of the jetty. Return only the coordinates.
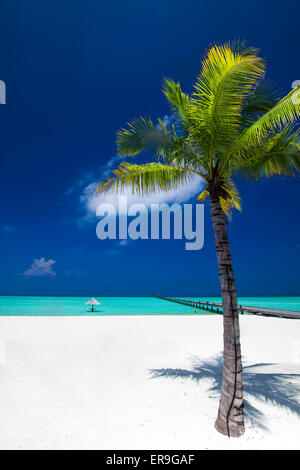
(218, 309)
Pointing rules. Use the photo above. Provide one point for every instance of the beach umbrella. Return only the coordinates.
(93, 302)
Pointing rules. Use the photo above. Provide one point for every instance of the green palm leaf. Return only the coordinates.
(229, 74)
(279, 155)
(142, 135)
(264, 97)
(144, 179)
(286, 112)
(179, 101)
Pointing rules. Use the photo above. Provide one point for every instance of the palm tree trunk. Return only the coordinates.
(230, 420)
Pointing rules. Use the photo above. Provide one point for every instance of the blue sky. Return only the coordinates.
(75, 73)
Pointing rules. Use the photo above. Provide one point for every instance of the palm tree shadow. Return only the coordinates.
(281, 390)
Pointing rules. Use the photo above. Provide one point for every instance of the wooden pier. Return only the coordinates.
(217, 308)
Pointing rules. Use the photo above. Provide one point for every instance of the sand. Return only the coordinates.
(85, 383)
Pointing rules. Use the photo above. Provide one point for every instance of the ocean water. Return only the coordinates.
(73, 306)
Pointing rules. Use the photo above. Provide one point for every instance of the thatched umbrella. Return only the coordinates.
(93, 302)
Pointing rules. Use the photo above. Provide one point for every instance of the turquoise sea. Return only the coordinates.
(73, 306)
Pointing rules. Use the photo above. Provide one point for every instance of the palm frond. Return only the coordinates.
(182, 153)
(142, 135)
(203, 195)
(280, 155)
(286, 112)
(179, 101)
(232, 198)
(229, 74)
(166, 145)
(144, 179)
(263, 98)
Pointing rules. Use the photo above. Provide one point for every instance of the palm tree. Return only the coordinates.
(234, 124)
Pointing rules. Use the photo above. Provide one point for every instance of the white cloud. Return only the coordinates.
(90, 200)
(40, 267)
(295, 83)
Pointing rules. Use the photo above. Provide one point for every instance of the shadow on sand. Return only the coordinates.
(281, 390)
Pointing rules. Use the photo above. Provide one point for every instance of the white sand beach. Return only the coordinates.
(85, 383)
